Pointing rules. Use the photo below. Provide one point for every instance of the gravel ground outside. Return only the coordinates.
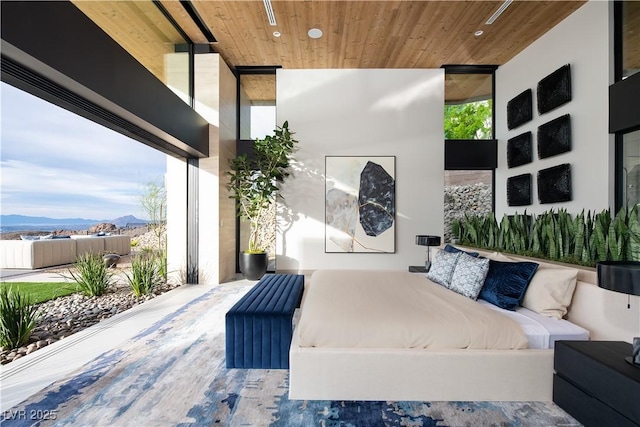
(64, 316)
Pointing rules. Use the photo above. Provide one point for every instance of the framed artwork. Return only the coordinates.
(554, 137)
(519, 150)
(520, 109)
(554, 184)
(360, 204)
(519, 190)
(555, 89)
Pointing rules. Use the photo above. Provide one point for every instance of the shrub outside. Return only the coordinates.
(17, 318)
(91, 274)
(147, 273)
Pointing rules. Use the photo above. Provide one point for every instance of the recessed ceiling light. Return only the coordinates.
(276, 34)
(478, 33)
(315, 33)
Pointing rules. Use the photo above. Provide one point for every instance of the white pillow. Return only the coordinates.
(550, 291)
(497, 256)
(468, 275)
(442, 267)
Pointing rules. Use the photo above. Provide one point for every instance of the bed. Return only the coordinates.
(335, 356)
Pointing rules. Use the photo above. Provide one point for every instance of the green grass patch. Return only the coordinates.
(38, 292)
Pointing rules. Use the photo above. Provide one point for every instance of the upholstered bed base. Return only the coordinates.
(455, 375)
(423, 375)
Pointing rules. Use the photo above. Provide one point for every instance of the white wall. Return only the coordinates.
(366, 112)
(583, 41)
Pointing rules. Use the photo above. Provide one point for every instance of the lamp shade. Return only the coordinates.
(619, 276)
(427, 240)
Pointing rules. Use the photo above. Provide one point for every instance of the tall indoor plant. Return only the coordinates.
(253, 182)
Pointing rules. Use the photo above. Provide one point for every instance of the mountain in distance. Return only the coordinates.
(16, 220)
(41, 220)
(122, 221)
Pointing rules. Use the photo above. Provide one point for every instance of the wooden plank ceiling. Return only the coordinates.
(356, 34)
(631, 35)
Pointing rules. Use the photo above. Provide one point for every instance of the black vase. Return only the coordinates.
(254, 266)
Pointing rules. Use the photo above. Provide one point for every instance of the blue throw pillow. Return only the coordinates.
(506, 283)
(453, 250)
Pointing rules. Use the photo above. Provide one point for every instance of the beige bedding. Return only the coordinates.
(397, 309)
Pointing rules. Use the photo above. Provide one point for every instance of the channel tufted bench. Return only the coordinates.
(259, 326)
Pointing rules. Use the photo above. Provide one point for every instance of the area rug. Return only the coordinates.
(174, 374)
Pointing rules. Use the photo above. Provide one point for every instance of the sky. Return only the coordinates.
(56, 164)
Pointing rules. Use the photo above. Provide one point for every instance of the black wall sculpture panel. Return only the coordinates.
(554, 184)
(519, 190)
(555, 89)
(519, 109)
(554, 137)
(519, 150)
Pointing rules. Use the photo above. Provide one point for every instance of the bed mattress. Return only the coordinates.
(396, 309)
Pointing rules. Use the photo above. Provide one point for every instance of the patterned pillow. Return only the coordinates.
(468, 275)
(442, 267)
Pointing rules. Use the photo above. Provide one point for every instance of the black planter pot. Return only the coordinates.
(254, 266)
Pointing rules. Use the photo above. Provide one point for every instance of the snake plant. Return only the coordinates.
(585, 238)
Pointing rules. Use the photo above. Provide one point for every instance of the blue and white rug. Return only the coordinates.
(174, 374)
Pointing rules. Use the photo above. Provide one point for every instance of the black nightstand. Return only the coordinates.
(417, 269)
(595, 384)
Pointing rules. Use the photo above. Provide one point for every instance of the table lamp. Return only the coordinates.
(623, 277)
(428, 241)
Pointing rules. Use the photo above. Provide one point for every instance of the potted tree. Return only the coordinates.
(253, 182)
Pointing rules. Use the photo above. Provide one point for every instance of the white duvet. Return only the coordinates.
(397, 309)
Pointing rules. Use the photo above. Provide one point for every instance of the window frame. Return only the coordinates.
(486, 147)
(619, 103)
(245, 146)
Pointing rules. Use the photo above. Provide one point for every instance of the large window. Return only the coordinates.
(631, 168)
(257, 105)
(627, 50)
(468, 110)
(468, 116)
(56, 164)
(257, 118)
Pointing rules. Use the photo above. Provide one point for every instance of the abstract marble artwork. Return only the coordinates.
(360, 204)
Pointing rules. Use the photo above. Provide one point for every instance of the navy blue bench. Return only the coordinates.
(259, 326)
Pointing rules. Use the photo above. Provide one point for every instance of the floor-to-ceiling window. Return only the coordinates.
(58, 165)
(468, 119)
(257, 118)
(627, 50)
